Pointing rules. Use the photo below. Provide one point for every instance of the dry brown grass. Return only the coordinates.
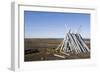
(44, 49)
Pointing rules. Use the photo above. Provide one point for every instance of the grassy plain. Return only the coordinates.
(40, 49)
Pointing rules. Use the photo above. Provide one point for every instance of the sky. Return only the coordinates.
(38, 24)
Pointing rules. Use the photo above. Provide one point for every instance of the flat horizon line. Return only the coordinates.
(50, 38)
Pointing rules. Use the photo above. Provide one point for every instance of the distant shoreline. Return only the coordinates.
(54, 38)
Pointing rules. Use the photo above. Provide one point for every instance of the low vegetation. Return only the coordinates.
(44, 49)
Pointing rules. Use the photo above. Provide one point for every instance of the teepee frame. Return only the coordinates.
(73, 43)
